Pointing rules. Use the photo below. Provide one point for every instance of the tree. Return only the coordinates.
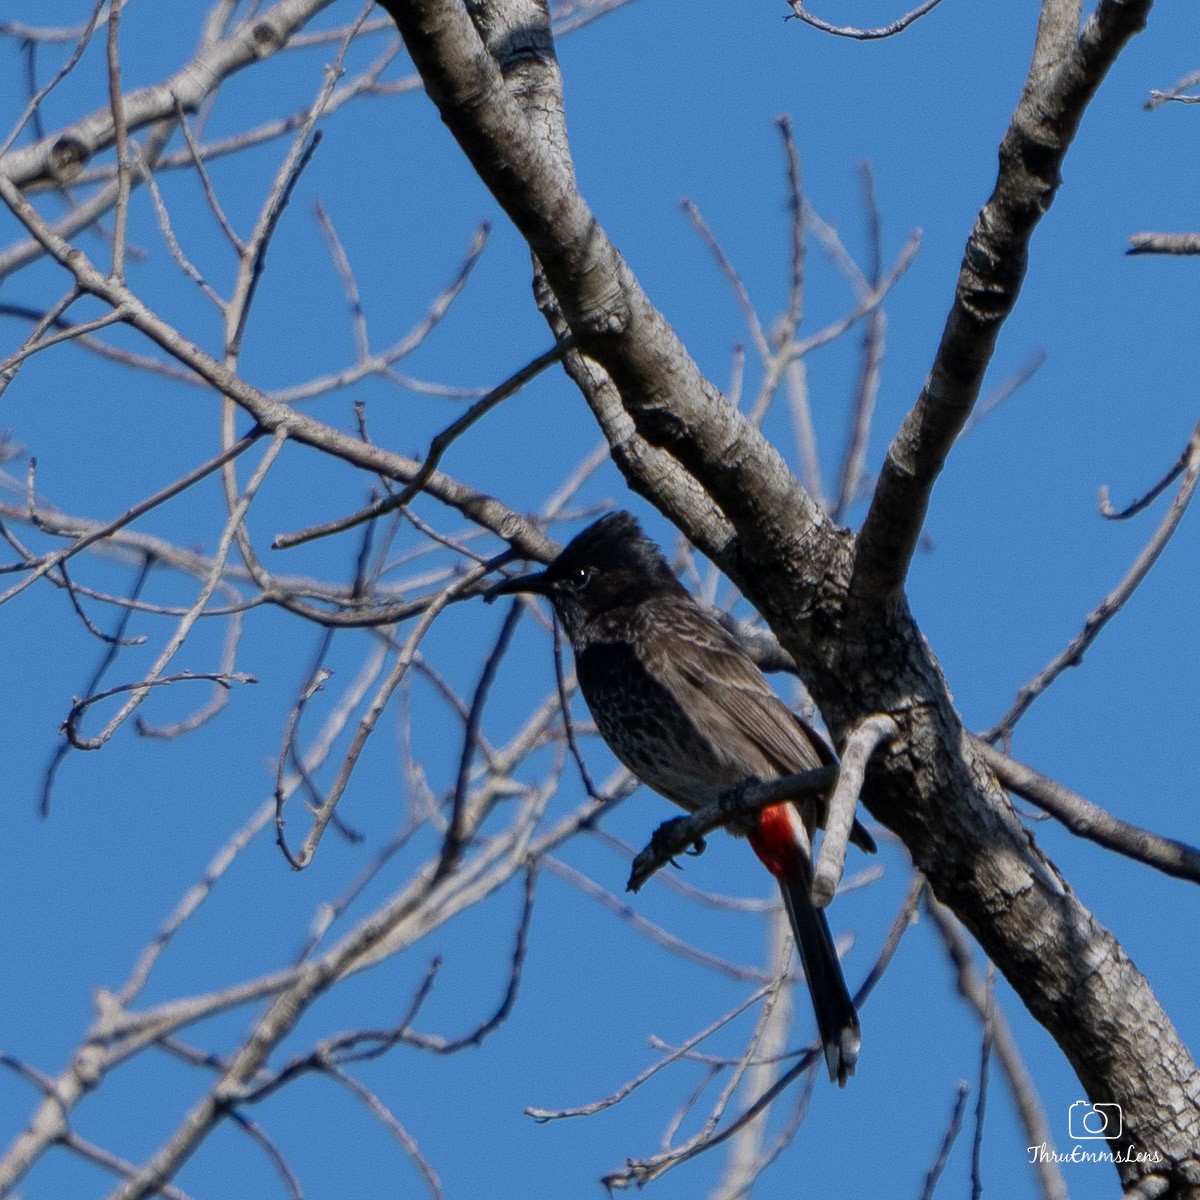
(493, 791)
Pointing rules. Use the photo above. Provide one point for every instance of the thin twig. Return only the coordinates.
(341, 264)
(366, 726)
(106, 661)
(643, 1171)
(871, 359)
(260, 1138)
(116, 104)
(192, 899)
(1007, 387)
(850, 31)
(438, 447)
(384, 1115)
(380, 364)
(121, 1167)
(139, 691)
(564, 704)
(985, 1056)
(70, 725)
(732, 278)
(1112, 604)
(218, 698)
(1175, 93)
(317, 679)
(459, 829)
(541, 1115)
(975, 991)
(649, 930)
(46, 564)
(182, 261)
(82, 36)
(798, 211)
(1147, 498)
(943, 1155)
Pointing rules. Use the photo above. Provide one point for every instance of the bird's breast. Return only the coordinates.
(645, 726)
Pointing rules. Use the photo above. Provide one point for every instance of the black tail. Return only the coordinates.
(837, 1018)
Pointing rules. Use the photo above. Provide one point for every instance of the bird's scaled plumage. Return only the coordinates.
(687, 711)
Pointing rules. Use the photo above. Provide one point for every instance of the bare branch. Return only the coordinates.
(985, 1058)
(71, 724)
(863, 410)
(1088, 820)
(1004, 390)
(405, 1139)
(662, 938)
(1112, 604)
(46, 564)
(1176, 93)
(81, 36)
(366, 726)
(218, 698)
(849, 31)
(153, 677)
(557, 1114)
(441, 443)
(112, 1162)
(861, 743)
(116, 104)
(948, 1139)
(1164, 243)
(58, 157)
(463, 823)
(978, 994)
(259, 1137)
(732, 278)
(107, 659)
(643, 1171)
(1146, 499)
(1062, 81)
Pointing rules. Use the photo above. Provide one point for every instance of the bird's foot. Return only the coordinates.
(739, 819)
(669, 839)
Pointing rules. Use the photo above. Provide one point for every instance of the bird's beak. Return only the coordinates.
(535, 583)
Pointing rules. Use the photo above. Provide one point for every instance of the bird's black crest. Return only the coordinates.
(616, 543)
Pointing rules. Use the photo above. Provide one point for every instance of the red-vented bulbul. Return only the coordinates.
(687, 711)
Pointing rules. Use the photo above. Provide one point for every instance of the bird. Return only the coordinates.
(686, 710)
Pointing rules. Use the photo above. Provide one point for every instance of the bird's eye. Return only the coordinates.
(580, 578)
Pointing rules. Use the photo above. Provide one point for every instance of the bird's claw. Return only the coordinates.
(732, 802)
(664, 842)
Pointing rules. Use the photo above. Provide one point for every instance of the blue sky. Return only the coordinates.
(664, 102)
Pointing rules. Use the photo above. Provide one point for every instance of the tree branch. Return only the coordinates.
(840, 610)
(863, 35)
(1062, 81)
(864, 739)
(59, 157)
(1088, 820)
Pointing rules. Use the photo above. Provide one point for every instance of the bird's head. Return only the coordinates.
(610, 565)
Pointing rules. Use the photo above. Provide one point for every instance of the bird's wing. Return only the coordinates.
(730, 701)
(725, 694)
